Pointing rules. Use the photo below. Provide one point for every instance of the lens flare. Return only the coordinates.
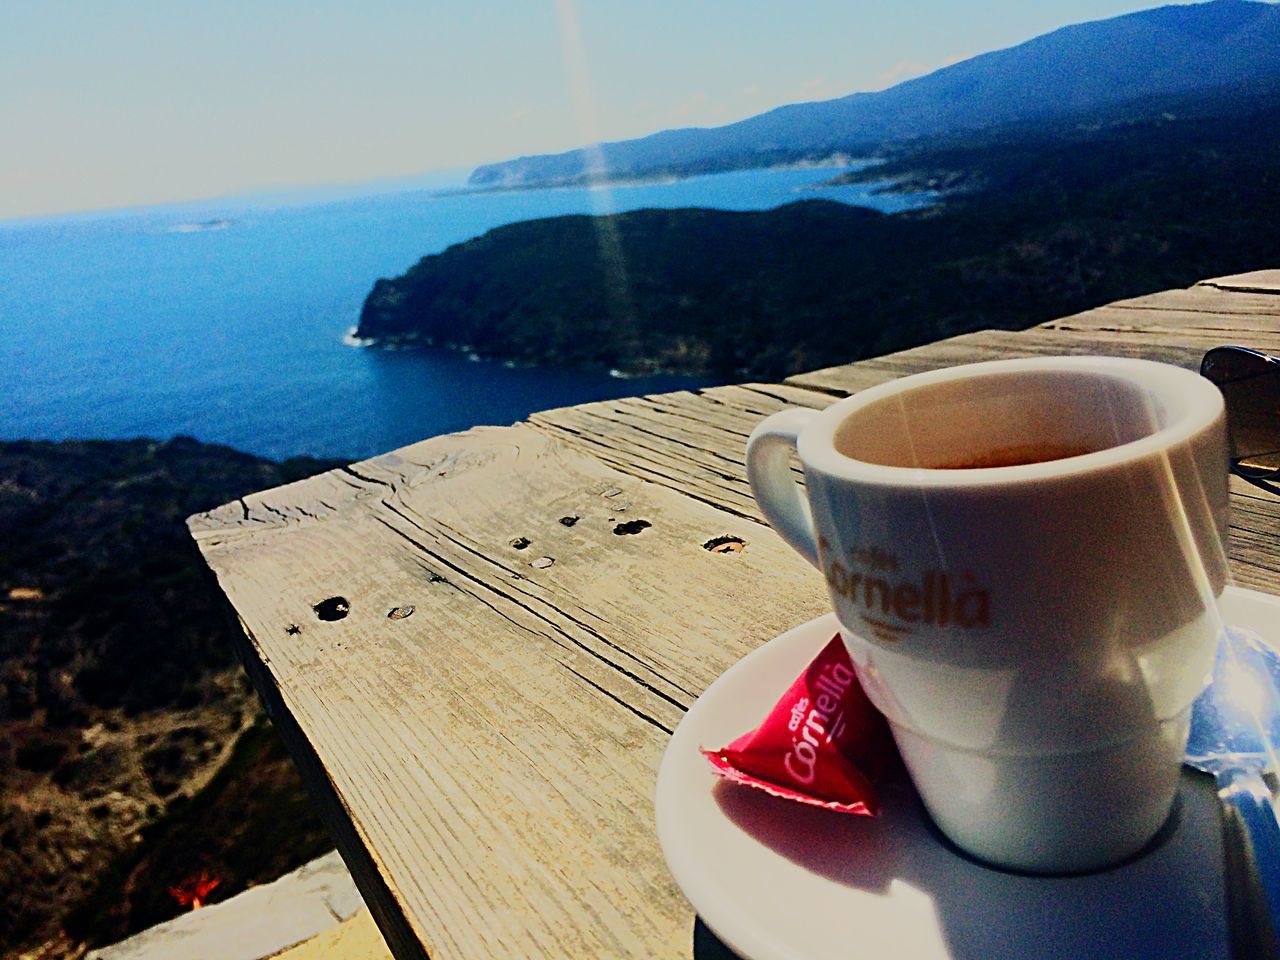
(615, 276)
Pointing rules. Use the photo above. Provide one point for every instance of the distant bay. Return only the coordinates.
(226, 320)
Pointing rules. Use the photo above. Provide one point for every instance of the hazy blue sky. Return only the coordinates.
(107, 103)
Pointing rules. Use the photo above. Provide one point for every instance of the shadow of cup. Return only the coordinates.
(1165, 901)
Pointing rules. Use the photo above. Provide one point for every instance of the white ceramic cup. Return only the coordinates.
(1034, 633)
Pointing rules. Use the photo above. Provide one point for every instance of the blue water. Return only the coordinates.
(160, 322)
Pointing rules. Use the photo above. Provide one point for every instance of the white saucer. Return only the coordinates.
(776, 880)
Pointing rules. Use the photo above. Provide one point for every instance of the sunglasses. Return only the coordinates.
(1250, 384)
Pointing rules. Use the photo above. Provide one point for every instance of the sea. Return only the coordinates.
(230, 321)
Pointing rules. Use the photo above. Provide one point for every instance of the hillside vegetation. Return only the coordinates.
(132, 752)
(1039, 220)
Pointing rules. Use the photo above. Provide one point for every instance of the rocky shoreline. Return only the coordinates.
(411, 341)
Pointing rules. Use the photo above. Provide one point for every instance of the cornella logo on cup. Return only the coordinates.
(891, 603)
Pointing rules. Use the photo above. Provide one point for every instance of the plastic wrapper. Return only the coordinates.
(823, 743)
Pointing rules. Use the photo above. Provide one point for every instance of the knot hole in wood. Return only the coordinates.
(725, 544)
(334, 608)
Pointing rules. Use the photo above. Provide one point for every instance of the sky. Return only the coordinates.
(119, 103)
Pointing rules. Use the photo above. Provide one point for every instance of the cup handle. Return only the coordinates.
(769, 471)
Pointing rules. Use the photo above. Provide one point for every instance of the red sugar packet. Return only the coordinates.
(823, 743)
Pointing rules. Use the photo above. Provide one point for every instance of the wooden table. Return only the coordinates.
(476, 647)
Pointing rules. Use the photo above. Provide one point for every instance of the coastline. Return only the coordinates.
(664, 177)
(406, 342)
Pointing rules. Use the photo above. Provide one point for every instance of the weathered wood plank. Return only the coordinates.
(764, 398)
(1257, 281)
(496, 750)
(1181, 346)
(692, 443)
(1205, 306)
(629, 444)
(1217, 327)
(967, 348)
(709, 414)
(1255, 537)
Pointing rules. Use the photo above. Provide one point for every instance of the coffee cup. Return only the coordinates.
(1024, 557)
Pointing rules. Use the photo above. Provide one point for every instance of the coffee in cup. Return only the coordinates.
(1024, 557)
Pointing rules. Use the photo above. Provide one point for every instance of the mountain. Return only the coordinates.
(1054, 218)
(1086, 66)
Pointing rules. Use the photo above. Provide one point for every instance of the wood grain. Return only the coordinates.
(692, 443)
(495, 752)
(1258, 281)
(487, 761)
